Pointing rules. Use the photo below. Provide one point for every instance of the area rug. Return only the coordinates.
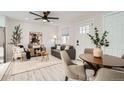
(21, 67)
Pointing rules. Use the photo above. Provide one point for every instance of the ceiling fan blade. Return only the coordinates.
(52, 18)
(37, 18)
(35, 14)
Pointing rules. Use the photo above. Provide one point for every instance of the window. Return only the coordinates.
(84, 29)
(65, 39)
(65, 35)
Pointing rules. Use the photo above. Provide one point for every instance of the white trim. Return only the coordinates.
(111, 13)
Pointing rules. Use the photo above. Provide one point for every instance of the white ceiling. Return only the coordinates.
(64, 16)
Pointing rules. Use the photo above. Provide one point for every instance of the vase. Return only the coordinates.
(97, 52)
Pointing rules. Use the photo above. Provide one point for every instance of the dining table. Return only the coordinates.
(107, 61)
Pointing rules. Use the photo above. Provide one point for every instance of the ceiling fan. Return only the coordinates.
(45, 17)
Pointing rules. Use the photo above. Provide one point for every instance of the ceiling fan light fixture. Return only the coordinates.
(44, 20)
(45, 17)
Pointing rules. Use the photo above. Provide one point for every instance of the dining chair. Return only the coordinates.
(72, 70)
(105, 74)
(88, 50)
(122, 56)
(89, 69)
(119, 68)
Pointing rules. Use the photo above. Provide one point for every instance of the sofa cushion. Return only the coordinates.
(67, 47)
(58, 47)
(62, 47)
(71, 47)
(56, 50)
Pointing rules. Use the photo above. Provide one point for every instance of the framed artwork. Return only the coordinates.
(35, 38)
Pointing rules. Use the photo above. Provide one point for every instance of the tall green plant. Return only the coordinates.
(99, 41)
(16, 36)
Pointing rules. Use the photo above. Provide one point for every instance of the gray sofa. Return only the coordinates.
(56, 52)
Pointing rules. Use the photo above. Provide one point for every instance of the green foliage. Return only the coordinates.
(99, 41)
(16, 36)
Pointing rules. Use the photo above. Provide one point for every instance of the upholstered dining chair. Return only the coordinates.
(105, 74)
(88, 50)
(122, 56)
(119, 68)
(88, 68)
(72, 70)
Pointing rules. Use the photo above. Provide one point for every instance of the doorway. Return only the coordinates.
(2, 45)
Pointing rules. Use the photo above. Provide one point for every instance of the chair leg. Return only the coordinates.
(66, 78)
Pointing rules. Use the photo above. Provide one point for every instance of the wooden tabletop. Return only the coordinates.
(105, 60)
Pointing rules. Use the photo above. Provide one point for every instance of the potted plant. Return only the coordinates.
(99, 42)
(16, 36)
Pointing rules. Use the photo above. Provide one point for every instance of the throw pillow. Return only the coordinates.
(67, 47)
(58, 47)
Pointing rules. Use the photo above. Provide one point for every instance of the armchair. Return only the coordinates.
(18, 53)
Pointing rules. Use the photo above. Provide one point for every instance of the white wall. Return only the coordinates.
(74, 32)
(69, 29)
(2, 24)
(2, 21)
(48, 32)
(2, 36)
(2, 42)
(114, 24)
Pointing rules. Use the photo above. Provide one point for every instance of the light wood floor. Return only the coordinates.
(3, 68)
(50, 73)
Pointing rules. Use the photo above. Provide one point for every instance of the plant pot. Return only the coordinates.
(97, 52)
